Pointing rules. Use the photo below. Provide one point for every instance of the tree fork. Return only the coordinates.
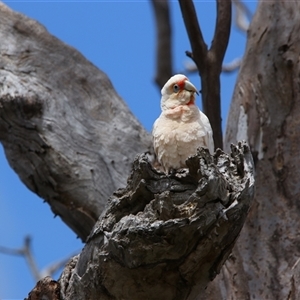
(209, 61)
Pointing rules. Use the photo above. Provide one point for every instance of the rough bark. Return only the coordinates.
(165, 237)
(65, 131)
(71, 140)
(266, 111)
(46, 289)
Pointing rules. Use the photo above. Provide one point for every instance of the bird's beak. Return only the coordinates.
(190, 87)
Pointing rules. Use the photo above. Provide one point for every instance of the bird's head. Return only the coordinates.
(177, 91)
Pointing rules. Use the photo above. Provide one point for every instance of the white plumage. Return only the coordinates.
(182, 127)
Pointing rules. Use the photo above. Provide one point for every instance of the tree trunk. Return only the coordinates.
(163, 237)
(65, 131)
(71, 140)
(265, 111)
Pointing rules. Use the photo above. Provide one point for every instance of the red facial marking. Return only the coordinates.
(181, 83)
(192, 100)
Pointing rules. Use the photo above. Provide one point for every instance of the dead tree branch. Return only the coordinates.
(209, 62)
(242, 15)
(165, 237)
(226, 68)
(65, 130)
(27, 253)
(55, 266)
(163, 41)
(232, 66)
(195, 35)
(160, 237)
(222, 32)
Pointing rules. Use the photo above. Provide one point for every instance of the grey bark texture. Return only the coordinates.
(71, 140)
(164, 237)
(265, 111)
(65, 131)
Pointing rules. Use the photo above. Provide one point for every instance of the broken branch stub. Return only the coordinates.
(165, 237)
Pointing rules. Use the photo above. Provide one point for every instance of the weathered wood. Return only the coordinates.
(71, 140)
(265, 111)
(165, 237)
(45, 289)
(65, 131)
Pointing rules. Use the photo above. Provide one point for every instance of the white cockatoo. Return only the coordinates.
(182, 127)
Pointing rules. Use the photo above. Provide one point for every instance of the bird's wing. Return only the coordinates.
(154, 135)
(158, 135)
(209, 133)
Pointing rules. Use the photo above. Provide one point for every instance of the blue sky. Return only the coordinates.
(119, 38)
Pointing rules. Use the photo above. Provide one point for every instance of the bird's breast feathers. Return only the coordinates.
(182, 127)
(178, 133)
(182, 123)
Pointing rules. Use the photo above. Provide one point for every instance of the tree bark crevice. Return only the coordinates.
(65, 110)
(166, 237)
(265, 112)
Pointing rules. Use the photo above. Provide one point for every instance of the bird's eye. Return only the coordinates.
(176, 88)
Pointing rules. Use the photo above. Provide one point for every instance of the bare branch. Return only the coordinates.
(163, 41)
(56, 266)
(74, 171)
(232, 66)
(242, 15)
(30, 259)
(26, 252)
(10, 251)
(209, 63)
(222, 32)
(195, 35)
(226, 68)
(190, 67)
